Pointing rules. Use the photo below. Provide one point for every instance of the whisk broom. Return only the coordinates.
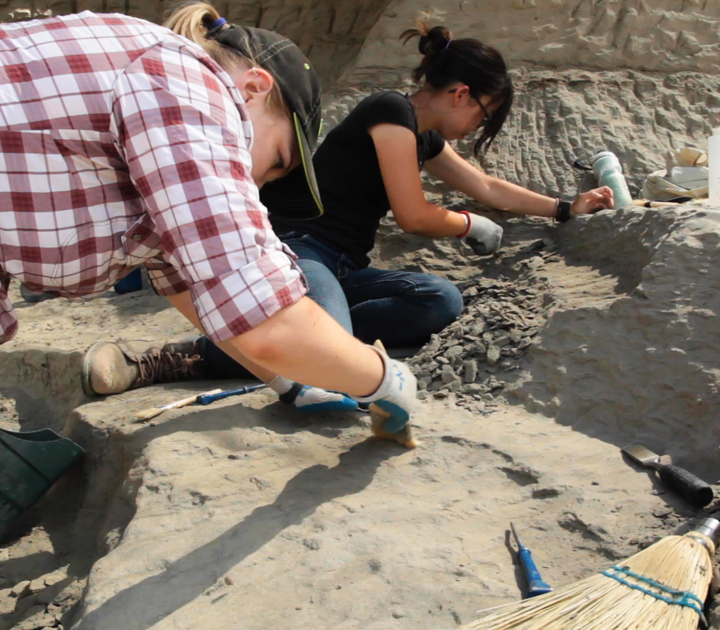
(662, 587)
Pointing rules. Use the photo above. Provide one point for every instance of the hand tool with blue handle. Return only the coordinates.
(206, 399)
(535, 583)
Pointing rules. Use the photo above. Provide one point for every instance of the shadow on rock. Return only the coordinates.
(148, 602)
(277, 417)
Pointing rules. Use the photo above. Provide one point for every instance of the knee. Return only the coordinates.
(447, 301)
(452, 300)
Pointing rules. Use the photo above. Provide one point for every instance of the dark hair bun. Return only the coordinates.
(434, 40)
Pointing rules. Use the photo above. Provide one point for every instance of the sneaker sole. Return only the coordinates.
(86, 367)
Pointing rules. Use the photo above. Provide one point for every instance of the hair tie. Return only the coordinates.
(446, 46)
(218, 23)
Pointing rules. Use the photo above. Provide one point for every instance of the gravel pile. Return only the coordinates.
(499, 321)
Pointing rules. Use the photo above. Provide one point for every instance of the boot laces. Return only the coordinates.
(166, 365)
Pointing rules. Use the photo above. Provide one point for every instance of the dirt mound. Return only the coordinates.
(643, 365)
(613, 334)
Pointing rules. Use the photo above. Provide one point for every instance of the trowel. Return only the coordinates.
(681, 481)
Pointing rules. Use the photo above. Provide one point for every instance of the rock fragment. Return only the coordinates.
(493, 355)
(499, 322)
(470, 371)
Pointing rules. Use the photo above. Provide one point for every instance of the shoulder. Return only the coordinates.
(385, 108)
(389, 101)
(178, 79)
(432, 144)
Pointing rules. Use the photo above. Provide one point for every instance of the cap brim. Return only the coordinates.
(296, 195)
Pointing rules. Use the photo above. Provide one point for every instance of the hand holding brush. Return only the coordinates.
(390, 414)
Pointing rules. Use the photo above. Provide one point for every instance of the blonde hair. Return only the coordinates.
(194, 19)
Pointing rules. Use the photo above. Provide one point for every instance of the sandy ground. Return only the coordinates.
(63, 324)
(249, 510)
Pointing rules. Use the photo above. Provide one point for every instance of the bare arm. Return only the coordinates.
(497, 193)
(488, 190)
(397, 154)
(303, 343)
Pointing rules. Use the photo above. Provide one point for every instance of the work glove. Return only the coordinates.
(482, 234)
(311, 399)
(394, 400)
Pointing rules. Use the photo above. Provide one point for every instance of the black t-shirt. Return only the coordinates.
(349, 178)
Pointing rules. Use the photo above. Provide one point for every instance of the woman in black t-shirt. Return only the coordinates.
(370, 164)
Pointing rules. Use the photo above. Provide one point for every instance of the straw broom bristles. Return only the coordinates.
(682, 563)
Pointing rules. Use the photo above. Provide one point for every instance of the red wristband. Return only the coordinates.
(469, 223)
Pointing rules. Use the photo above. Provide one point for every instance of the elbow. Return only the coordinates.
(419, 219)
(412, 227)
(415, 224)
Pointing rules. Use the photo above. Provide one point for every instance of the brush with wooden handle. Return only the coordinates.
(147, 414)
(378, 417)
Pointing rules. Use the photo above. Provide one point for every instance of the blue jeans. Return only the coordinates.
(400, 308)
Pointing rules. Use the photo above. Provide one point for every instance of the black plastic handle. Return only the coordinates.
(687, 485)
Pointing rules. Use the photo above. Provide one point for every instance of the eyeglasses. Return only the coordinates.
(487, 117)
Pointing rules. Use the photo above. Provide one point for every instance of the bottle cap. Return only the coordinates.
(601, 154)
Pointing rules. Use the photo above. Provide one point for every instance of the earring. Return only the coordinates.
(255, 71)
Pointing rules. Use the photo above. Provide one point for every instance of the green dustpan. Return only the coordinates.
(30, 462)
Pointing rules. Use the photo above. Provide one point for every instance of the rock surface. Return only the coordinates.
(667, 36)
(357, 42)
(248, 510)
(643, 364)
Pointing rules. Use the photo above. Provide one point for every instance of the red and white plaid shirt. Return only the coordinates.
(123, 144)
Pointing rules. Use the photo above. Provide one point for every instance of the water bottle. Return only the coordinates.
(714, 167)
(608, 172)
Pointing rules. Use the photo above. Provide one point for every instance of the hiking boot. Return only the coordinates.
(113, 368)
(33, 298)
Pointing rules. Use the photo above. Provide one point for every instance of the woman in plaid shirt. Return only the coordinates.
(123, 143)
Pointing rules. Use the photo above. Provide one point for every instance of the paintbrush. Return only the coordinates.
(646, 203)
(147, 414)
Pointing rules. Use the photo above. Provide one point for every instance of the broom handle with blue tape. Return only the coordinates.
(536, 585)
